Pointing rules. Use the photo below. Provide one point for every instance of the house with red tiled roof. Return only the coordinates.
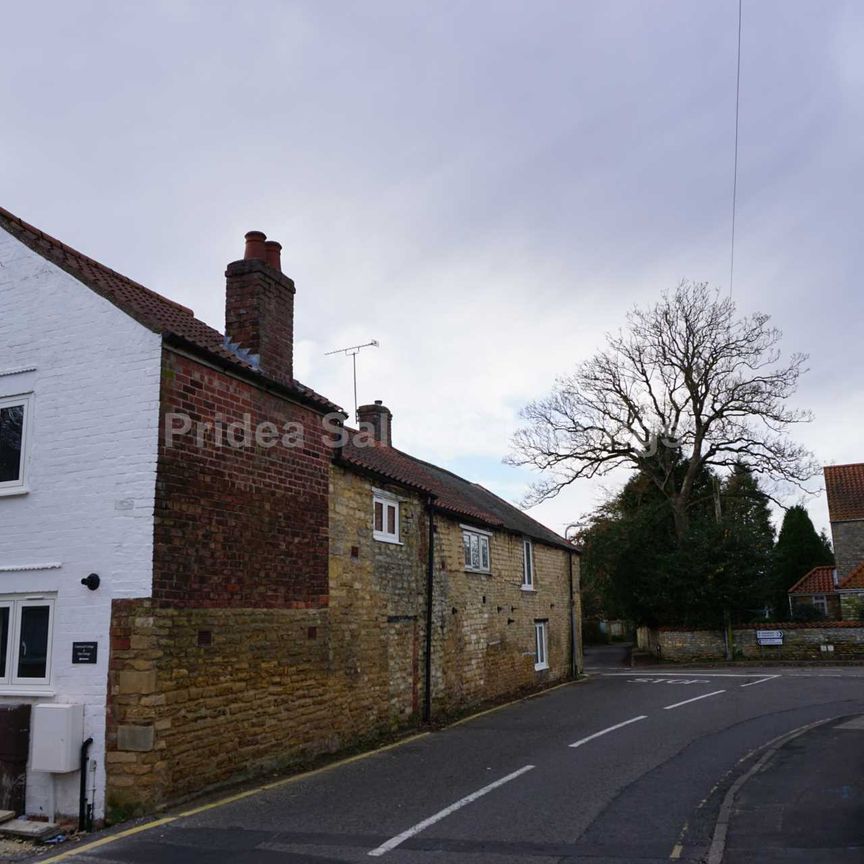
(837, 599)
(203, 572)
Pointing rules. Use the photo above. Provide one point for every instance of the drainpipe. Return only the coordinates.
(84, 824)
(573, 670)
(430, 575)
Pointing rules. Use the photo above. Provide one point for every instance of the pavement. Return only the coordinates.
(806, 803)
(628, 766)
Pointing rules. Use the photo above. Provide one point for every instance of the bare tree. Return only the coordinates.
(685, 386)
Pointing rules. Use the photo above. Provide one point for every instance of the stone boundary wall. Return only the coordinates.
(828, 641)
(204, 697)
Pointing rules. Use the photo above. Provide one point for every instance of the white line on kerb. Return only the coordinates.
(694, 699)
(760, 681)
(582, 741)
(393, 842)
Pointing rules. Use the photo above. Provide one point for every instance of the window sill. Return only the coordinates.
(15, 690)
(528, 589)
(541, 667)
(387, 538)
(13, 490)
(478, 572)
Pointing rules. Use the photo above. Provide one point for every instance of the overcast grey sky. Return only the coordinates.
(485, 187)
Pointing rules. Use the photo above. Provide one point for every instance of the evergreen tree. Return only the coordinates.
(636, 562)
(799, 549)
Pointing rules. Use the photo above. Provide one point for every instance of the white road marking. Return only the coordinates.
(393, 842)
(582, 741)
(760, 681)
(694, 699)
(690, 674)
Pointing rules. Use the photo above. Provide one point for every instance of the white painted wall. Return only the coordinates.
(92, 477)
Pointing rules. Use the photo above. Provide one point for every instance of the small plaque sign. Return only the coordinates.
(85, 652)
(769, 637)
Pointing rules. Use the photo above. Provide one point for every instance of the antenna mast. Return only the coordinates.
(352, 352)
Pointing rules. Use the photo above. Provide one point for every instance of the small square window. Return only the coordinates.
(541, 645)
(386, 518)
(475, 545)
(14, 433)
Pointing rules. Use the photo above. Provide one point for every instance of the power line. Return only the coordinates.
(735, 164)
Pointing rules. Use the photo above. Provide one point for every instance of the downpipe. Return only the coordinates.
(85, 811)
(430, 576)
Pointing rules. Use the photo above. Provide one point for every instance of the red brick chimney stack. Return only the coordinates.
(381, 419)
(259, 306)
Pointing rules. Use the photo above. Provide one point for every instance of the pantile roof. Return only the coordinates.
(148, 308)
(844, 485)
(855, 579)
(453, 494)
(820, 580)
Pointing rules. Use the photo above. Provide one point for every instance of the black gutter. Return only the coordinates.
(430, 585)
(85, 818)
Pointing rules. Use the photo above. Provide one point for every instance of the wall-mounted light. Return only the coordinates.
(92, 581)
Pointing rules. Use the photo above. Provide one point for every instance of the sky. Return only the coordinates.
(485, 188)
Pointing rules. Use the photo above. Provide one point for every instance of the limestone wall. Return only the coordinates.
(800, 642)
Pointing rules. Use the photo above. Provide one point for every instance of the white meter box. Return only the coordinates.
(56, 733)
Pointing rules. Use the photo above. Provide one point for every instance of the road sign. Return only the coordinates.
(769, 637)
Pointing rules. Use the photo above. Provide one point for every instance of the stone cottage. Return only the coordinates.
(204, 571)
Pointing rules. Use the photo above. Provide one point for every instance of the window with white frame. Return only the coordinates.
(14, 431)
(541, 645)
(527, 565)
(821, 603)
(26, 624)
(385, 514)
(475, 544)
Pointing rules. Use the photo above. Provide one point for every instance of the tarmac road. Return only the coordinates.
(628, 766)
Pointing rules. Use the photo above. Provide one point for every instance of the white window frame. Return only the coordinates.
(19, 486)
(10, 680)
(483, 542)
(527, 564)
(820, 602)
(541, 645)
(388, 502)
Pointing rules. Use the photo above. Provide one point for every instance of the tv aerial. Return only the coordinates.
(352, 352)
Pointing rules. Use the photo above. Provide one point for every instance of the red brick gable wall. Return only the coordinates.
(245, 527)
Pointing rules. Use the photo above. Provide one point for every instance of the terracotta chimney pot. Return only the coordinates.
(273, 254)
(256, 246)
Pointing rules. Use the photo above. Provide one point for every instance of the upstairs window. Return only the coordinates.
(527, 565)
(475, 544)
(25, 640)
(14, 428)
(385, 514)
